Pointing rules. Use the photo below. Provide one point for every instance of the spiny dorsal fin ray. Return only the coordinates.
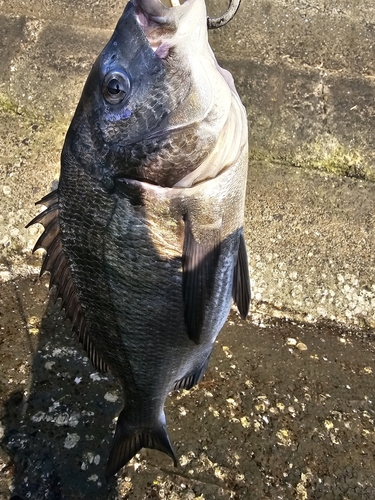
(199, 265)
(55, 262)
(47, 237)
(128, 441)
(241, 291)
(52, 255)
(49, 199)
(44, 217)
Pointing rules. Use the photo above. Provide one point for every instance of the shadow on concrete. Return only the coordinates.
(56, 416)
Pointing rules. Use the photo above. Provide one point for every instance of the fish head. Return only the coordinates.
(155, 100)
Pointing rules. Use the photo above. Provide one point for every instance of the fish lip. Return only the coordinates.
(165, 27)
(158, 13)
(149, 17)
(156, 9)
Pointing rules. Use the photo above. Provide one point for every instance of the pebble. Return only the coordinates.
(291, 341)
(245, 422)
(284, 437)
(227, 352)
(111, 397)
(71, 440)
(301, 346)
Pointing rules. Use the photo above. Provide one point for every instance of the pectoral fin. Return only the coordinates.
(241, 281)
(199, 265)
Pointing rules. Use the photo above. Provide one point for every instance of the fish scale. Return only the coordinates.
(144, 234)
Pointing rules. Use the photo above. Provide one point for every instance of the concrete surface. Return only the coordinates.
(285, 411)
(311, 241)
(309, 94)
(305, 71)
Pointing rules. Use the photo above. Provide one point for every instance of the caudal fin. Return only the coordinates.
(128, 441)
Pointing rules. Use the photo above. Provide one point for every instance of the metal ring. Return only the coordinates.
(218, 22)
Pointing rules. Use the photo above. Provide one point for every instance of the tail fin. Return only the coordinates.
(128, 441)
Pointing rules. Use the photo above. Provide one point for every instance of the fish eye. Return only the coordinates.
(116, 86)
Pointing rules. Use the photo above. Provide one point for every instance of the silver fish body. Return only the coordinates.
(144, 234)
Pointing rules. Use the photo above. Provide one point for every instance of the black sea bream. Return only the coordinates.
(144, 233)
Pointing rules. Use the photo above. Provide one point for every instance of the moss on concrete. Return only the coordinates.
(30, 115)
(7, 105)
(370, 174)
(40, 129)
(325, 154)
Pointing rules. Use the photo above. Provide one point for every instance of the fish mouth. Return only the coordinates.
(159, 8)
(156, 12)
(159, 11)
(165, 23)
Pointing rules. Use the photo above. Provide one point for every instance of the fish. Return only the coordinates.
(143, 236)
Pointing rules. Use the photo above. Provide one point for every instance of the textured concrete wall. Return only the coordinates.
(306, 74)
(305, 70)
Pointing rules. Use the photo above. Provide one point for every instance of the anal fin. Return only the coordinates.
(56, 263)
(241, 290)
(192, 379)
(128, 441)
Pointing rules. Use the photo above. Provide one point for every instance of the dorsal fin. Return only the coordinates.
(55, 262)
